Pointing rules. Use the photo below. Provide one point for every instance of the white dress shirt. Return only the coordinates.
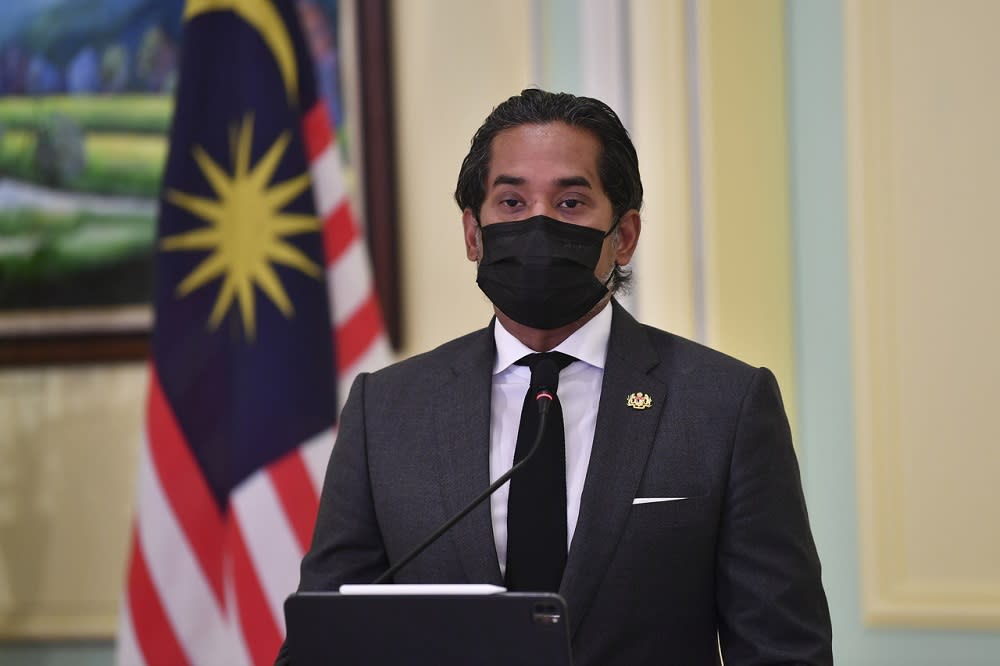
(579, 394)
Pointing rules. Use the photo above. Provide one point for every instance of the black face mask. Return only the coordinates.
(540, 271)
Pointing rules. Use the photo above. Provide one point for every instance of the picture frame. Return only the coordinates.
(379, 172)
(121, 331)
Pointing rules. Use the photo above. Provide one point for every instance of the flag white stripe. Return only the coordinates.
(127, 652)
(234, 628)
(270, 541)
(183, 589)
(349, 282)
(378, 355)
(315, 455)
(329, 185)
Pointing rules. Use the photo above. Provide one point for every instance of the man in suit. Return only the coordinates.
(681, 526)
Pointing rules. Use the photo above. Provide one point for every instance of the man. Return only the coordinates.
(680, 512)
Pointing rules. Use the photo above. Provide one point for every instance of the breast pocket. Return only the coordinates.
(670, 512)
(677, 536)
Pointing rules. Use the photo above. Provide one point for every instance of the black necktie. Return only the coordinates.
(536, 506)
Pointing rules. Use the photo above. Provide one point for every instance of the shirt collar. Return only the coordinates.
(589, 343)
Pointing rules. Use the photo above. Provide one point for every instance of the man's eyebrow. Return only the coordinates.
(569, 181)
(574, 181)
(504, 179)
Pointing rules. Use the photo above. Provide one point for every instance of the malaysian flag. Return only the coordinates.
(250, 349)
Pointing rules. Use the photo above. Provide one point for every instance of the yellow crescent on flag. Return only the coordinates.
(264, 18)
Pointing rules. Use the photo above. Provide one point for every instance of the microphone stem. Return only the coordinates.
(543, 412)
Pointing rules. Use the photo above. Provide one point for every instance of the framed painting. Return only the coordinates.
(85, 107)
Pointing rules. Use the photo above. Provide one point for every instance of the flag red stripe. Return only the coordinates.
(152, 628)
(339, 231)
(297, 496)
(190, 499)
(356, 334)
(260, 631)
(316, 131)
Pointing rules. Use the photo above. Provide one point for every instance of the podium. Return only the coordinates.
(398, 625)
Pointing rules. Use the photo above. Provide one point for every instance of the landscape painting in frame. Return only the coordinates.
(86, 96)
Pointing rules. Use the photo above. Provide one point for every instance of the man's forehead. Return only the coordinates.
(550, 153)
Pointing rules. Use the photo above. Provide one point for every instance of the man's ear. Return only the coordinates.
(628, 236)
(471, 228)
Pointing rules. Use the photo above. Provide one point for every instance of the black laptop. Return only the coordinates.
(504, 629)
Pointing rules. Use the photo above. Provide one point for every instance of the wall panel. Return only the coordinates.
(664, 266)
(745, 185)
(68, 444)
(924, 165)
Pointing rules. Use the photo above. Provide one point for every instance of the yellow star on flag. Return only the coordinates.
(245, 230)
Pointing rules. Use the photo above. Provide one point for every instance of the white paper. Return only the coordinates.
(470, 589)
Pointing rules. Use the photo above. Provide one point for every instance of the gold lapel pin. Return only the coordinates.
(639, 400)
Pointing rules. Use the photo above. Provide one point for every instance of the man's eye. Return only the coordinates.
(510, 203)
(571, 203)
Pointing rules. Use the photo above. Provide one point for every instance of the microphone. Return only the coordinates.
(543, 398)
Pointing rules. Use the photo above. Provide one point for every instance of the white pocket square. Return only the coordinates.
(652, 500)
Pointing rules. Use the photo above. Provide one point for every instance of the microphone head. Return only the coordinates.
(545, 374)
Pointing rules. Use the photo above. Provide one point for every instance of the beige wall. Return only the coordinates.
(454, 60)
(68, 444)
(923, 161)
(665, 267)
(710, 126)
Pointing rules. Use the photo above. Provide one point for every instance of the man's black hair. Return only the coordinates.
(617, 165)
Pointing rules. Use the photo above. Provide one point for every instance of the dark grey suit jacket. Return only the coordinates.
(658, 583)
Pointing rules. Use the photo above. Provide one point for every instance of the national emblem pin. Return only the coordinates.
(639, 400)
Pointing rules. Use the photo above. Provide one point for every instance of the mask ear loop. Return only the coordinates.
(611, 275)
(614, 225)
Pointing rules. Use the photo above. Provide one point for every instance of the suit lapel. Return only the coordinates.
(622, 440)
(463, 446)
